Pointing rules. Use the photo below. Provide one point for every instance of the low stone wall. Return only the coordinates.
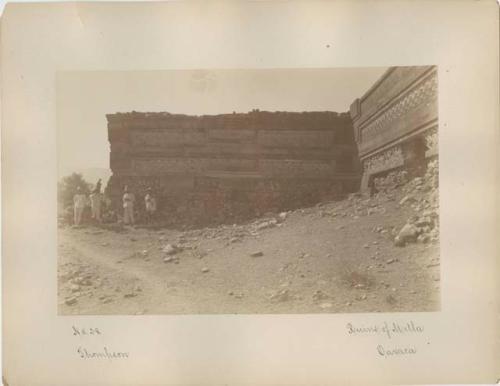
(227, 167)
(396, 122)
(207, 200)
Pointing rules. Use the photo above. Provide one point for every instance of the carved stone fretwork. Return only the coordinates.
(296, 168)
(217, 168)
(389, 159)
(171, 165)
(159, 138)
(426, 92)
(191, 166)
(396, 121)
(293, 139)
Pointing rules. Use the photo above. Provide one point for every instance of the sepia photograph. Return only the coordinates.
(265, 193)
(248, 191)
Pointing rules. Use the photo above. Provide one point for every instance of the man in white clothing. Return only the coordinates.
(79, 203)
(128, 206)
(95, 204)
(150, 204)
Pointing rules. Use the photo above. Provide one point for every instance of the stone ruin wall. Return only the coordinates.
(212, 169)
(396, 122)
(220, 168)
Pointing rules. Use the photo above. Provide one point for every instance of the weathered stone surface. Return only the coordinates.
(406, 199)
(213, 169)
(266, 224)
(395, 123)
(282, 295)
(170, 249)
(319, 295)
(282, 216)
(71, 301)
(408, 233)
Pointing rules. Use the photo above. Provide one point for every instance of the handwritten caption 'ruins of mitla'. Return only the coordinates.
(103, 352)
(389, 331)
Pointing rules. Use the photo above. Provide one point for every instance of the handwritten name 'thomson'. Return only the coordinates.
(104, 354)
(389, 329)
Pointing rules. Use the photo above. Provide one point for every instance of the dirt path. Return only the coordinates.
(330, 258)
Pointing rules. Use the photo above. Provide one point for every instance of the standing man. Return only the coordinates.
(95, 203)
(150, 203)
(79, 203)
(98, 185)
(128, 206)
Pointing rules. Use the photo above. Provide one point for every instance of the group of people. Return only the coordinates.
(96, 201)
(129, 204)
(81, 201)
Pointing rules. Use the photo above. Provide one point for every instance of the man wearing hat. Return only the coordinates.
(79, 203)
(128, 206)
(95, 203)
(150, 204)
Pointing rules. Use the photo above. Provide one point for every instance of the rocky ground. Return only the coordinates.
(361, 254)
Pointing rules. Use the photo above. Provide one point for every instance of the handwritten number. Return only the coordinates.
(83, 331)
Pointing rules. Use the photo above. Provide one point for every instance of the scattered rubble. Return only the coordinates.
(282, 295)
(266, 224)
(71, 301)
(421, 194)
(319, 295)
(417, 198)
(282, 216)
(171, 259)
(171, 249)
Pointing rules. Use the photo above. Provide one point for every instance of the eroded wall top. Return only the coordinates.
(396, 122)
(400, 104)
(309, 144)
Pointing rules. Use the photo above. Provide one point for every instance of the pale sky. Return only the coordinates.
(84, 98)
